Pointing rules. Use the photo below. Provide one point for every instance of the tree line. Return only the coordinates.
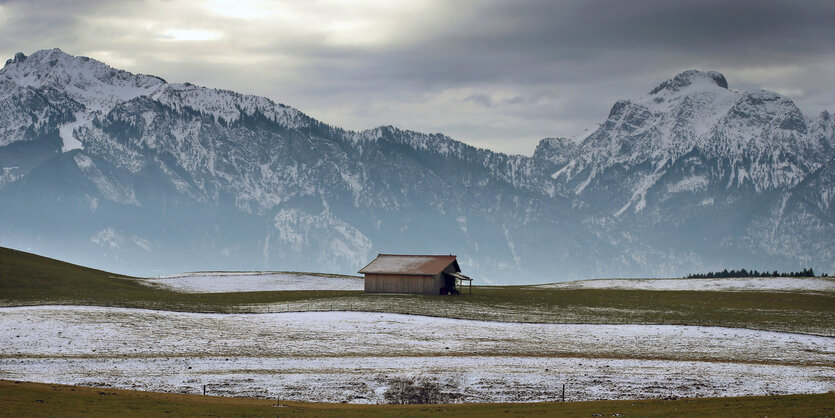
(753, 273)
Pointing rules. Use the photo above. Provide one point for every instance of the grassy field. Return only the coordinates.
(28, 279)
(40, 399)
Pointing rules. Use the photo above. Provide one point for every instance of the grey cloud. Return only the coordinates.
(525, 68)
(533, 42)
(481, 99)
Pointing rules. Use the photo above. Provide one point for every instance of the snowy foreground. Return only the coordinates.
(220, 282)
(352, 356)
(746, 284)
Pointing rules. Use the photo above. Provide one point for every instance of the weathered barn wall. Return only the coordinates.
(401, 283)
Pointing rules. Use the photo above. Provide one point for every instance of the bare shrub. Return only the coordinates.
(404, 390)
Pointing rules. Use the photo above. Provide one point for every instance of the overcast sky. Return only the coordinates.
(495, 73)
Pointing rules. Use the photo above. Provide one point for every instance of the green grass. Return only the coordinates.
(40, 399)
(28, 279)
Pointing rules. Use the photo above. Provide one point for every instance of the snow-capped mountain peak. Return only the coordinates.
(661, 125)
(698, 98)
(89, 82)
(689, 78)
(82, 89)
(693, 122)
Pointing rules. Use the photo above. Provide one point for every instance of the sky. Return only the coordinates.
(496, 74)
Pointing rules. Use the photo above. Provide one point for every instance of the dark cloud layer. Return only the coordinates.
(494, 73)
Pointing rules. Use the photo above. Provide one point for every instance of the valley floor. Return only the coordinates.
(353, 356)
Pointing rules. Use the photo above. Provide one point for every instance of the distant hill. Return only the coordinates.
(28, 277)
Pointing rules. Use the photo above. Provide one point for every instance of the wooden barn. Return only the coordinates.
(420, 274)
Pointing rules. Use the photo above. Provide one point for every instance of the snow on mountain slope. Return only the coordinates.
(92, 83)
(659, 127)
(557, 151)
(27, 113)
(799, 222)
(694, 123)
(227, 105)
(99, 88)
(109, 99)
(692, 165)
(281, 187)
(667, 184)
(765, 136)
(689, 105)
(127, 116)
(516, 170)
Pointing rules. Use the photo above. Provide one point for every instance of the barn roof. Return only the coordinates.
(428, 265)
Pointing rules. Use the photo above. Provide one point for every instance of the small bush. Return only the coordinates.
(404, 390)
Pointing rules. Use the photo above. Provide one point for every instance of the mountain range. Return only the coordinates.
(134, 174)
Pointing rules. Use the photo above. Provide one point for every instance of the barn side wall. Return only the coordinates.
(439, 283)
(398, 283)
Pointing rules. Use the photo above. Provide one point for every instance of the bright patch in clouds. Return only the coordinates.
(358, 23)
(189, 35)
(112, 58)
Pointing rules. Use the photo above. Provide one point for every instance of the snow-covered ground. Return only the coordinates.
(351, 356)
(779, 284)
(220, 282)
(472, 379)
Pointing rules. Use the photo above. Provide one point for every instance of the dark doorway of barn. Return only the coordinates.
(449, 285)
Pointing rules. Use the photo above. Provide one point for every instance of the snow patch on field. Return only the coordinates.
(351, 356)
(780, 284)
(470, 379)
(221, 282)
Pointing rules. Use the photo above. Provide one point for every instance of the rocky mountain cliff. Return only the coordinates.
(132, 173)
(694, 166)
